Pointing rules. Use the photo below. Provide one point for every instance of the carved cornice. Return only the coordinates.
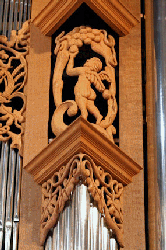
(111, 11)
(83, 137)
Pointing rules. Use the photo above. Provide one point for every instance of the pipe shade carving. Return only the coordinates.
(13, 77)
(105, 191)
(82, 153)
(91, 73)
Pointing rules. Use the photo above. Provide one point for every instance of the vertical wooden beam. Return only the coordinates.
(131, 129)
(150, 113)
(37, 110)
(36, 135)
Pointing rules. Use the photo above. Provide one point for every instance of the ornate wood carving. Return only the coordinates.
(105, 191)
(67, 47)
(111, 11)
(81, 136)
(82, 153)
(13, 77)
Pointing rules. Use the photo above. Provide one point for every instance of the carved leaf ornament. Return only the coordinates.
(13, 76)
(105, 191)
(67, 48)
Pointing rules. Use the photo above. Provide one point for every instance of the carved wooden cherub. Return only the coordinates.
(67, 47)
(84, 94)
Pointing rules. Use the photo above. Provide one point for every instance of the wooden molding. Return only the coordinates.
(111, 11)
(83, 137)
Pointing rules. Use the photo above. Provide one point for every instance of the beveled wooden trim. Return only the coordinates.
(82, 137)
(111, 11)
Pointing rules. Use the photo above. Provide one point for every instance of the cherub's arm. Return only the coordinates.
(70, 70)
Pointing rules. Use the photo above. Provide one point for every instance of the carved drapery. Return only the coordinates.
(13, 77)
(106, 192)
(91, 73)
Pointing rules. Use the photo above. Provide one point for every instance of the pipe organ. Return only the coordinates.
(71, 69)
(12, 16)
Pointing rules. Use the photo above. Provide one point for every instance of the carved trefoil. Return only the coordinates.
(13, 77)
(91, 73)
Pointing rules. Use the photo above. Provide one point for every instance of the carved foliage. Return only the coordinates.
(104, 190)
(13, 76)
(67, 48)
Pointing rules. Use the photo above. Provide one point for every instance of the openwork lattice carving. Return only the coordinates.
(105, 191)
(13, 76)
(67, 48)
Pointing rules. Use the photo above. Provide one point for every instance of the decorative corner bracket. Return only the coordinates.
(111, 11)
(81, 152)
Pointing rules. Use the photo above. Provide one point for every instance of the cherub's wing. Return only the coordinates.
(104, 76)
(94, 78)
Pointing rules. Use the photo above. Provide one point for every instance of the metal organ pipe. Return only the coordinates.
(12, 15)
(10, 178)
(159, 41)
(81, 226)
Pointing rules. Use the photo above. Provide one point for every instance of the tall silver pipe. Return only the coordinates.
(48, 245)
(94, 228)
(67, 233)
(29, 8)
(11, 17)
(25, 10)
(3, 188)
(16, 204)
(5, 15)
(15, 14)
(1, 14)
(82, 206)
(159, 10)
(21, 14)
(9, 200)
(81, 226)
(56, 235)
(10, 178)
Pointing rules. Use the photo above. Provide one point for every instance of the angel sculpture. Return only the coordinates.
(89, 75)
(84, 94)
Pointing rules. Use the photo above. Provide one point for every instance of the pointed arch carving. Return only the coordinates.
(106, 191)
(111, 11)
(82, 153)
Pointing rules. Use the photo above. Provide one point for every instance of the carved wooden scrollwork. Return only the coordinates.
(91, 73)
(105, 191)
(13, 77)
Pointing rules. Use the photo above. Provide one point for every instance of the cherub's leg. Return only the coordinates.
(82, 104)
(94, 111)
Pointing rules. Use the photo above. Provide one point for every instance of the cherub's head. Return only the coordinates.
(94, 64)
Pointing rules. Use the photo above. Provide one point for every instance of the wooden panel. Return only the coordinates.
(131, 131)
(37, 110)
(30, 214)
